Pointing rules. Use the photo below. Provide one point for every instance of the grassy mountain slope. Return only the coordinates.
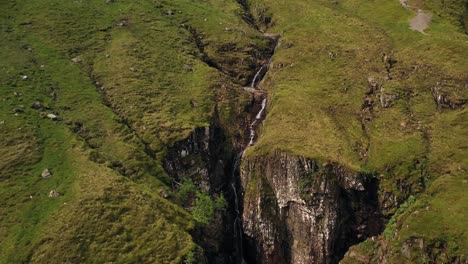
(126, 79)
(350, 83)
(337, 65)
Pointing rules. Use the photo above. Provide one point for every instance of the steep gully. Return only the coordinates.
(238, 231)
(213, 162)
(281, 208)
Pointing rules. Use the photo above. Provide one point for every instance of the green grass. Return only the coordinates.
(106, 154)
(318, 83)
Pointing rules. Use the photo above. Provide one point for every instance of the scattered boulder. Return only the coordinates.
(163, 193)
(54, 194)
(53, 94)
(403, 124)
(52, 117)
(132, 69)
(24, 77)
(193, 103)
(373, 84)
(110, 1)
(46, 174)
(184, 153)
(169, 12)
(123, 23)
(77, 60)
(444, 100)
(37, 105)
(386, 100)
(107, 56)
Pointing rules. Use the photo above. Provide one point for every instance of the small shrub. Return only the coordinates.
(186, 189)
(204, 209)
(190, 258)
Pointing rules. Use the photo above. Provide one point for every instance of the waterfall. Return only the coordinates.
(238, 232)
(237, 221)
(252, 85)
(254, 123)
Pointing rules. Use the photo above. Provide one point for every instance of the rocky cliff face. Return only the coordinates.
(297, 210)
(204, 159)
(198, 157)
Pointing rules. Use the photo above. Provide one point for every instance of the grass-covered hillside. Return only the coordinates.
(352, 83)
(123, 80)
(97, 91)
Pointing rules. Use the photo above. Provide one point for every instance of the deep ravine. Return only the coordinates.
(256, 115)
(256, 120)
(209, 154)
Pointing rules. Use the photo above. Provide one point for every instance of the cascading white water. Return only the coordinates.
(237, 220)
(252, 85)
(257, 118)
(262, 109)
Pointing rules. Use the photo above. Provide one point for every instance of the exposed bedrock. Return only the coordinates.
(297, 210)
(204, 159)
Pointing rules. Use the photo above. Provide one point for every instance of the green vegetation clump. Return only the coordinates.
(389, 231)
(204, 208)
(201, 204)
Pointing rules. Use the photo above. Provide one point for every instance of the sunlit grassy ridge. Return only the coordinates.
(138, 83)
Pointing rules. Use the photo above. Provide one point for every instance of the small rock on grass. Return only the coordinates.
(54, 194)
(163, 193)
(46, 174)
(37, 105)
(52, 116)
(77, 60)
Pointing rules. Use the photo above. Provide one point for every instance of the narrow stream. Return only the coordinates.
(253, 84)
(258, 118)
(258, 77)
(238, 231)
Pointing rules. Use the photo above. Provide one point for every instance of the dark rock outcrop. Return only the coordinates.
(299, 211)
(205, 158)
